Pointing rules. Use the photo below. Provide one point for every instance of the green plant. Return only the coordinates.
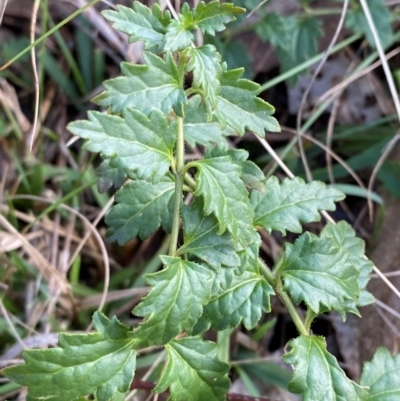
(212, 276)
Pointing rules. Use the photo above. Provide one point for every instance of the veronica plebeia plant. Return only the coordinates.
(213, 206)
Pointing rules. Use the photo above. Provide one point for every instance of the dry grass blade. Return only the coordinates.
(308, 89)
(88, 225)
(382, 56)
(35, 125)
(388, 322)
(4, 312)
(3, 4)
(357, 75)
(10, 242)
(41, 263)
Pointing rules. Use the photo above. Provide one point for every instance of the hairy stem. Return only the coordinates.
(266, 271)
(190, 181)
(179, 162)
(276, 283)
(298, 322)
(310, 316)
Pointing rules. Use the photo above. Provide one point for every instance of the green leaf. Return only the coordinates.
(345, 237)
(225, 195)
(109, 177)
(251, 175)
(304, 32)
(355, 20)
(381, 375)
(197, 128)
(175, 302)
(193, 372)
(201, 239)
(142, 145)
(239, 107)
(102, 363)
(177, 37)
(237, 297)
(274, 28)
(317, 375)
(291, 203)
(319, 273)
(211, 17)
(141, 23)
(205, 62)
(233, 52)
(154, 86)
(140, 210)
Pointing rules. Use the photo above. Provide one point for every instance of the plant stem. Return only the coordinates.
(291, 308)
(190, 181)
(179, 161)
(266, 271)
(310, 316)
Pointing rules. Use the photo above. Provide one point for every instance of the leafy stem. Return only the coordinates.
(215, 279)
(179, 162)
(297, 320)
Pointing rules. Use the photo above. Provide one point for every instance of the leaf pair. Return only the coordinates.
(103, 363)
(158, 31)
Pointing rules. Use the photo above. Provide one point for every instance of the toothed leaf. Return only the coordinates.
(380, 12)
(153, 86)
(142, 207)
(141, 23)
(304, 32)
(101, 363)
(319, 273)
(211, 17)
(193, 372)
(275, 29)
(382, 376)
(109, 177)
(201, 239)
(251, 175)
(345, 237)
(291, 203)
(239, 106)
(205, 62)
(237, 297)
(140, 144)
(175, 302)
(317, 375)
(177, 37)
(225, 195)
(197, 128)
